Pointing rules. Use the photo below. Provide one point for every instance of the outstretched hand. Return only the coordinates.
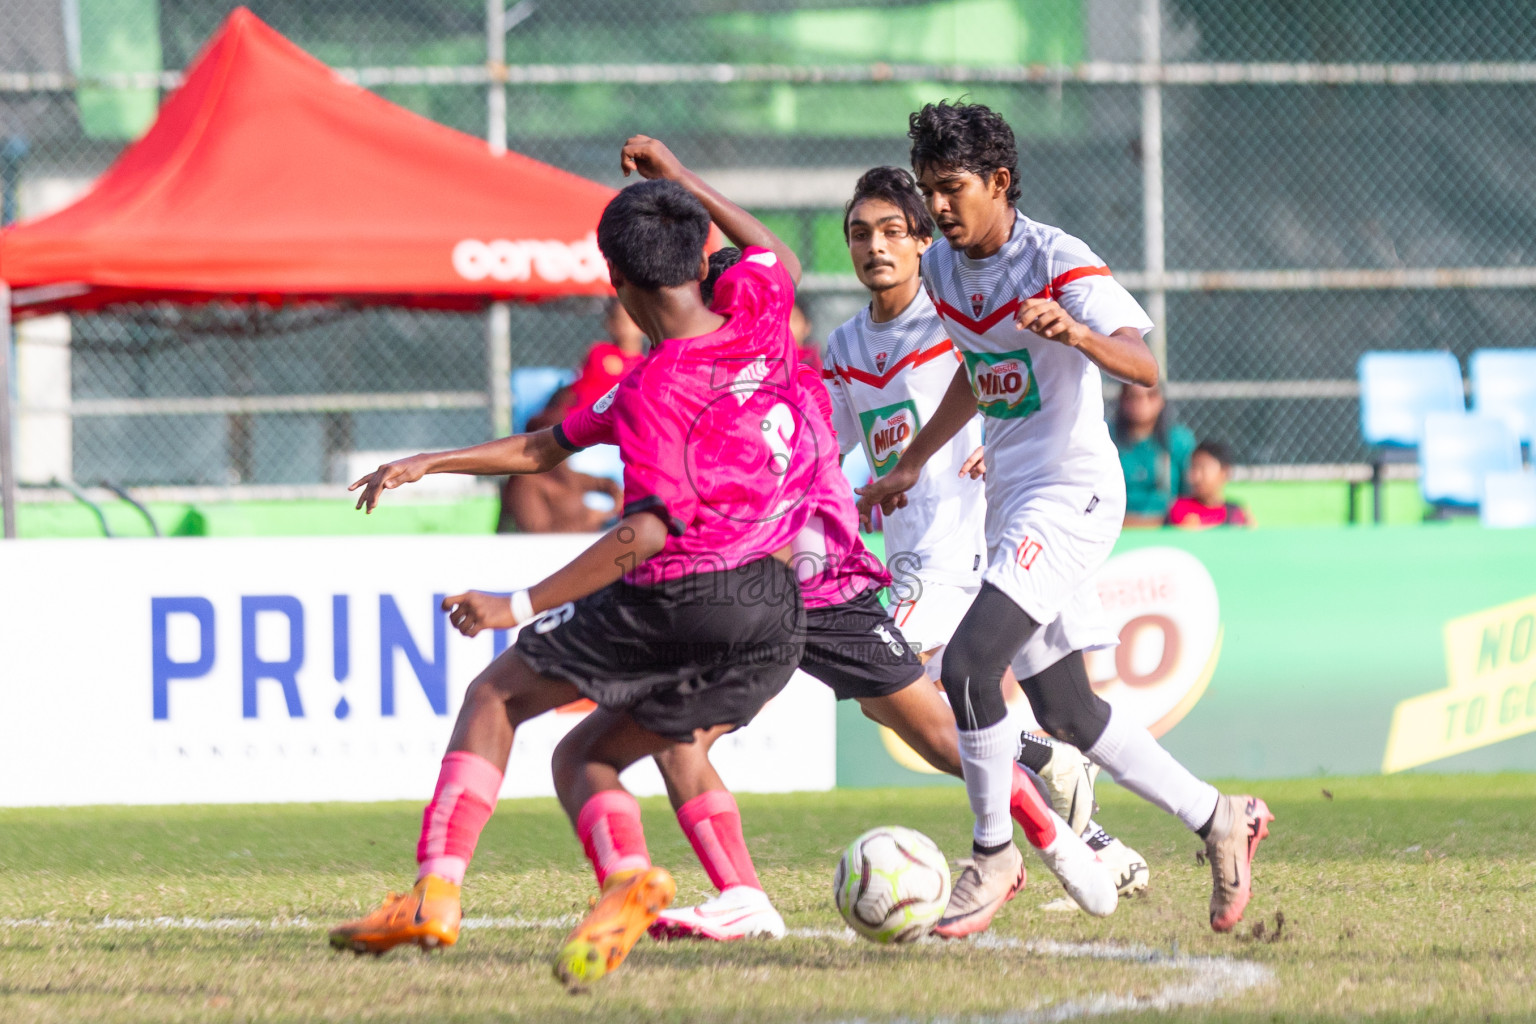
(386, 478)
(975, 465)
(474, 612)
(650, 159)
(889, 492)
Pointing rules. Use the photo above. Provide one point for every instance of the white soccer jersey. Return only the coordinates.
(886, 380)
(1055, 489)
(1043, 400)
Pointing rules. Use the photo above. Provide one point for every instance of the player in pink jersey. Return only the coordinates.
(681, 621)
(854, 647)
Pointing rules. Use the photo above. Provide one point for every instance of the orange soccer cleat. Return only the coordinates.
(427, 916)
(630, 902)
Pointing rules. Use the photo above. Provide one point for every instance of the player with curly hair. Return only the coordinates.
(1037, 316)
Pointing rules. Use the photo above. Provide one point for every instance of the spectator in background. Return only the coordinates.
(810, 349)
(1206, 504)
(1154, 453)
(608, 362)
(555, 502)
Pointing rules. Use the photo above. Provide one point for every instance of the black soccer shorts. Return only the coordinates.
(702, 650)
(856, 649)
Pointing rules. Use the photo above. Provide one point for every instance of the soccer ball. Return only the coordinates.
(892, 884)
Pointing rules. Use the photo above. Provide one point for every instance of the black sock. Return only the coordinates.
(1034, 752)
(1204, 831)
(987, 851)
(1039, 783)
(1098, 839)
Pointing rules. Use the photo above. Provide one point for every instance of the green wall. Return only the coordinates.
(1326, 631)
(308, 518)
(1323, 503)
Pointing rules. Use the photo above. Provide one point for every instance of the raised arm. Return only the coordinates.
(652, 159)
(537, 452)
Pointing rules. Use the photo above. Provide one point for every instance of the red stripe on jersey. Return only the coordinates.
(992, 319)
(949, 312)
(1060, 281)
(852, 373)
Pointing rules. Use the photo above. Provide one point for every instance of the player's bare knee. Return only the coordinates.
(680, 760)
(943, 750)
(569, 761)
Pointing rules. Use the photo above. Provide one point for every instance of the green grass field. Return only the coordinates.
(1405, 898)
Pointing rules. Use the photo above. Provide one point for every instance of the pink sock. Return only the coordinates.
(460, 807)
(609, 829)
(1031, 811)
(713, 825)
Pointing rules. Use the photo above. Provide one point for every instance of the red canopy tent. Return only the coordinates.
(268, 178)
(266, 174)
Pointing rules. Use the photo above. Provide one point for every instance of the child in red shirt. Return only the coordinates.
(1207, 504)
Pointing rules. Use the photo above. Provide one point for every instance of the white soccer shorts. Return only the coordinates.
(1044, 556)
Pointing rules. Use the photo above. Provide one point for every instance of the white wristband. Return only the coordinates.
(522, 607)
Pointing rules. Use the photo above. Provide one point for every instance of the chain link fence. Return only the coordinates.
(1284, 185)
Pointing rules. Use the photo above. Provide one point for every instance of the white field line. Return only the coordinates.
(1207, 979)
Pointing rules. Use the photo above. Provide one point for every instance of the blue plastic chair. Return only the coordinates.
(1458, 453)
(532, 388)
(1397, 391)
(1509, 499)
(1504, 386)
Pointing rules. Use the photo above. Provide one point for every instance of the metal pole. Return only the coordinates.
(1152, 181)
(498, 321)
(496, 70)
(7, 463)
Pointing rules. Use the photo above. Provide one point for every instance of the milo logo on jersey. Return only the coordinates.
(887, 432)
(1004, 383)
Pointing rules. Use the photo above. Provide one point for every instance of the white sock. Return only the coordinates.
(1136, 761)
(986, 759)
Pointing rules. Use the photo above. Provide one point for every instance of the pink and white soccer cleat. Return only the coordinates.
(1242, 822)
(986, 882)
(740, 912)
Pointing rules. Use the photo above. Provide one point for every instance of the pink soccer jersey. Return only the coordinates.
(713, 433)
(832, 533)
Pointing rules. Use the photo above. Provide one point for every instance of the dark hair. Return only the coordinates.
(897, 187)
(653, 233)
(1218, 450)
(964, 137)
(720, 261)
(1162, 427)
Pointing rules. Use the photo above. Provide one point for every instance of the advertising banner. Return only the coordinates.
(173, 671)
(1285, 653)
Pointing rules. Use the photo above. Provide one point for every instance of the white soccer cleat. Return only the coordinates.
(1127, 867)
(1069, 778)
(740, 912)
(1087, 879)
